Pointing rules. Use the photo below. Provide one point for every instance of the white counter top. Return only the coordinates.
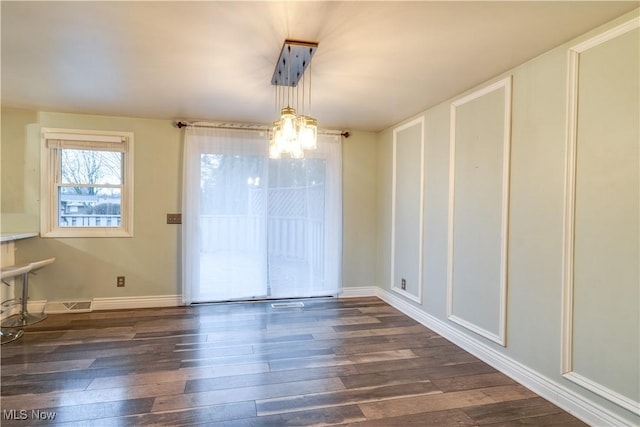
(10, 237)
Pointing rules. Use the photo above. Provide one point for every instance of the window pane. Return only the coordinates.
(90, 167)
(297, 187)
(231, 184)
(89, 207)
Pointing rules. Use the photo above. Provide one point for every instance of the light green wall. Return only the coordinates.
(436, 199)
(477, 267)
(359, 187)
(406, 221)
(87, 268)
(20, 171)
(535, 251)
(607, 216)
(384, 203)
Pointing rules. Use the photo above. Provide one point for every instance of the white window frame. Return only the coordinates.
(49, 158)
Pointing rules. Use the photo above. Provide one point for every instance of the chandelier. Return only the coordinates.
(294, 131)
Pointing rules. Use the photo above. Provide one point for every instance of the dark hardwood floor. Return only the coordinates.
(350, 362)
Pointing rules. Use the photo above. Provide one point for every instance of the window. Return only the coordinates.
(87, 183)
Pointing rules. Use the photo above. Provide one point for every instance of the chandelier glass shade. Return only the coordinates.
(293, 133)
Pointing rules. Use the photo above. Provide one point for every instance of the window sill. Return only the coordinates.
(85, 232)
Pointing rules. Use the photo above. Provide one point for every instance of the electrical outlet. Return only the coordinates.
(120, 281)
(174, 218)
(403, 284)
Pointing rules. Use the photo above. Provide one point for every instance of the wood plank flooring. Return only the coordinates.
(355, 362)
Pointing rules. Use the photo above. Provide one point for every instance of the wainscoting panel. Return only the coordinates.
(407, 209)
(601, 352)
(478, 210)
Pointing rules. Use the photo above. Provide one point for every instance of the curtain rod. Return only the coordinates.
(252, 128)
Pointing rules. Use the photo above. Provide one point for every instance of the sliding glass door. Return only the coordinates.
(231, 238)
(256, 227)
(296, 226)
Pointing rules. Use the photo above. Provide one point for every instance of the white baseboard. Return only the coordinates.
(359, 292)
(32, 307)
(581, 407)
(137, 302)
(37, 306)
(116, 303)
(8, 312)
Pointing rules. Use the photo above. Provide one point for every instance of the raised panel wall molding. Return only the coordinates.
(419, 249)
(499, 335)
(569, 220)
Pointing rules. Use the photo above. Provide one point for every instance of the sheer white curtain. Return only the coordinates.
(255, 227)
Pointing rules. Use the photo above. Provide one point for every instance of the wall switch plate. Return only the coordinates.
(403, 284)
(174, 218)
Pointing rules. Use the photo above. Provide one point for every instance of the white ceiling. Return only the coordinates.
(377, 62)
